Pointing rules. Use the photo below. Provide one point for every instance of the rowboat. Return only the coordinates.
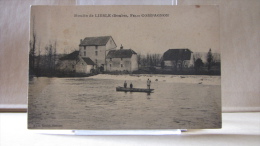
(134, 89)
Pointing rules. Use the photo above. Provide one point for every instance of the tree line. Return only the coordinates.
(42, 62)
(203, 63)
(149, 60)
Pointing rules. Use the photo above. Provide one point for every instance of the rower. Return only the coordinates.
(131, 85)
(148, 84)
(125, 84)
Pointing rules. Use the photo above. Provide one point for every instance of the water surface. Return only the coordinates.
(85, 103)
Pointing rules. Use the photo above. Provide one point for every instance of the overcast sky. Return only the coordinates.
(196, 28)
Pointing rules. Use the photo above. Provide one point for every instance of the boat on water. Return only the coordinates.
(133, 89)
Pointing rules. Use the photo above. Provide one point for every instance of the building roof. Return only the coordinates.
(72, 56)
(75, 56)
(95, 41)
(122, 53)
(88, 61)
(177, 54)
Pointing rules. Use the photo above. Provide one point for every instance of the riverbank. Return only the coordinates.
(194, 79)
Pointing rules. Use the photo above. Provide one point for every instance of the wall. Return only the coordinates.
(110, 44)
(90, 52)
(169, 63)
(186, 63)
(240, 52)
(134, 63)
(102, 52)
(239, 36)
(116, 64)
(190, 63)
(83, 67)
(14, 23)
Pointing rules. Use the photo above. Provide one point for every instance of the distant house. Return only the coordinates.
(74, 63)
(96, 48)
(178, 58)
(122, 60)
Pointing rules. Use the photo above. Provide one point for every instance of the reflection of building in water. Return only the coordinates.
(178, 58)
(122, 60)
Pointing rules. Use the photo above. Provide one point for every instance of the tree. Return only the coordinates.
(198, 64)
(162, 64)
(139, 60)
(209, 59)
(50, 57)
(148, 60)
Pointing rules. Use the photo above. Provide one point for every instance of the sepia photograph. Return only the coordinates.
(124, 67)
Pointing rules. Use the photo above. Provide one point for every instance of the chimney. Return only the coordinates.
(121, 47)
(80, 40)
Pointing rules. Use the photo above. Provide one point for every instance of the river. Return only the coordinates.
(87, 103)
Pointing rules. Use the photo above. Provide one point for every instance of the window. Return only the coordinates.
(121, 65)
(110, 59)
(84, 47)
(73, 66)
(96, 52)
(121, 59)
(96, 47)
(110, 65)
(84, 53)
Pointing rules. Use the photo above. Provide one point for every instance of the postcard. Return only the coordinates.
(124, 67)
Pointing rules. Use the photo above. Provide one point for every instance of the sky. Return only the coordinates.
(192, 27)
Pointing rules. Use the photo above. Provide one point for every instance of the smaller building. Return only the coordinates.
(84, 65)
(178, 58)
(121, 60)
(74, 63)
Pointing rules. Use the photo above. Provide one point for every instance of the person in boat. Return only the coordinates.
(148, 84)
(131, 85)
(125, 84)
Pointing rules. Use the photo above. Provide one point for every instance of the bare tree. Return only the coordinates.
(148, 60)
(49, 59)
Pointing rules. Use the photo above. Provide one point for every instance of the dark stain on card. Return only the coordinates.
(197, 6)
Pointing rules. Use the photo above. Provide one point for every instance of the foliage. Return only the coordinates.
(148, 60)
(198, 64)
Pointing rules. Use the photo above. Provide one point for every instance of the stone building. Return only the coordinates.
(99, 53)
(96, 48)
(74, 63)
(122, 60)
(178, 58)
